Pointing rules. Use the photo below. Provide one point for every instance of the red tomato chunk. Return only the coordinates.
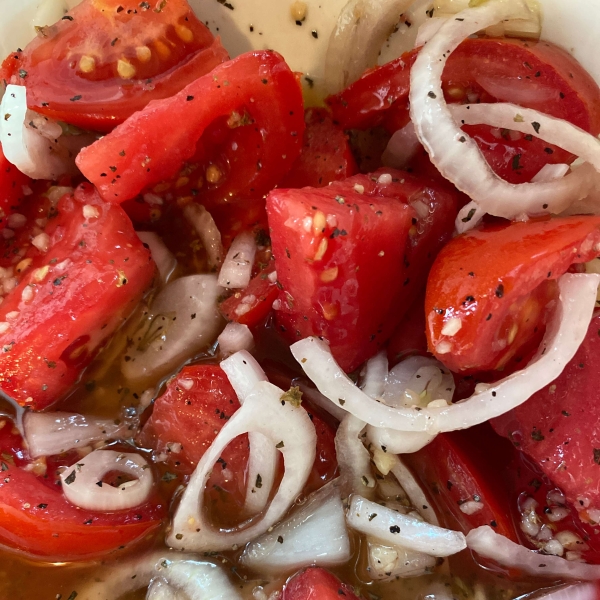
(317, 584)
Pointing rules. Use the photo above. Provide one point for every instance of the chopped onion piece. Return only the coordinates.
(388, 562)
(554, 131)
(208, 232)
(195, 580)
(402, 146)
(391, 527)
(563, 336)
(235, 337)
(355, 43)
(237, 267)
(291, 431)
(315, 534)
(52, 433)
(244, 372)
(26, 147)
(353, 458)
(489, 544)
(161, 255)
(183, 319)
(83, 487)
(398, 442)
(375, 374)
(414, 492)
(453, 152)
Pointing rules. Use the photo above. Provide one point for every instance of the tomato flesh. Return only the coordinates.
(315, 583)
(535, 75)
(106, 60)
(351, 257)
(69, 298)
(483, 313)
(13, 185)
(243, 131)
(326, 155)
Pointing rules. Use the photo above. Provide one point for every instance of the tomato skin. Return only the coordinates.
(351, 282)
(536, 75)
(141, 153)
(71, 71)
(493, 297)
(409, 337)
(558, 427)
(462, 466)
(12, 182)
(326, 155)
(90, 279)
(315, 583)
(253, 304)
(36, 518)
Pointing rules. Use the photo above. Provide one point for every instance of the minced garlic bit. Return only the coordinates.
(90, 212)
(452, 326)
(385, 179)
(471, 507)
(359, 189)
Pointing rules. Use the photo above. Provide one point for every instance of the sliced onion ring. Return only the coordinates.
(82, 482)
(415, 493)
(161, 255)
(208, 232)
(489, 544)
(391, 527)
(234, 338)
(52, 433)
(290, 429)
(453, 152)
(355, 43)
(244, 372)
(563, 337)
(237, 266)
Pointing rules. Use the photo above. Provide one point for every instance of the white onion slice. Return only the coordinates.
(554, 131)
(183, 319)
(453, 152)
(374, 375)
(195, 580)
(290, 429)
(235, 337)
(391, 527)
(244, 372)
(486, 542)
(469, 216)
(208, 232)
(414, 492)
(25, 147)
(355, 43)
(237, 266)
(315, 397)
(563, 336)
(353, 458)
(428, 30)
(398, 442)
(401, 147)
(161, 255)
(82, 482)
(52, 433)
(576, 591)
(551, 172)
(389, 562)
(315, 534)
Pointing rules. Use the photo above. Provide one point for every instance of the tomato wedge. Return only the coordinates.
(558, 428)
(13, 188)
(315, 583)
(351, 257)
(105, 60)
(534, 75)
(481, 312)
(36, 518)
(76, 281)
(243, 131)
(326, 155)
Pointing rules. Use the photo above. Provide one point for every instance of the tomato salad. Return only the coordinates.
(260, 347)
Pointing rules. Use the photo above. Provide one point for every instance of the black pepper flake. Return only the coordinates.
(372, 516)
(22, 73)
(449, 484)
(75, 98)
(280, 445)
(73, 595)
(70, 478)
(537, 435)
(468, 300)
(536, 126)
(314, 34)
(516, 162)
(469, 216)
(258, 482)
(394, 529)
(431, 94)
(500, 291)
(67, 18)
(548, 151)
(280, 539)
(226, 4)
(189, 98)
(462, 139)
(565, 413)
(113, 42)
(597, 456)
(337, 232)
(493, 524)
